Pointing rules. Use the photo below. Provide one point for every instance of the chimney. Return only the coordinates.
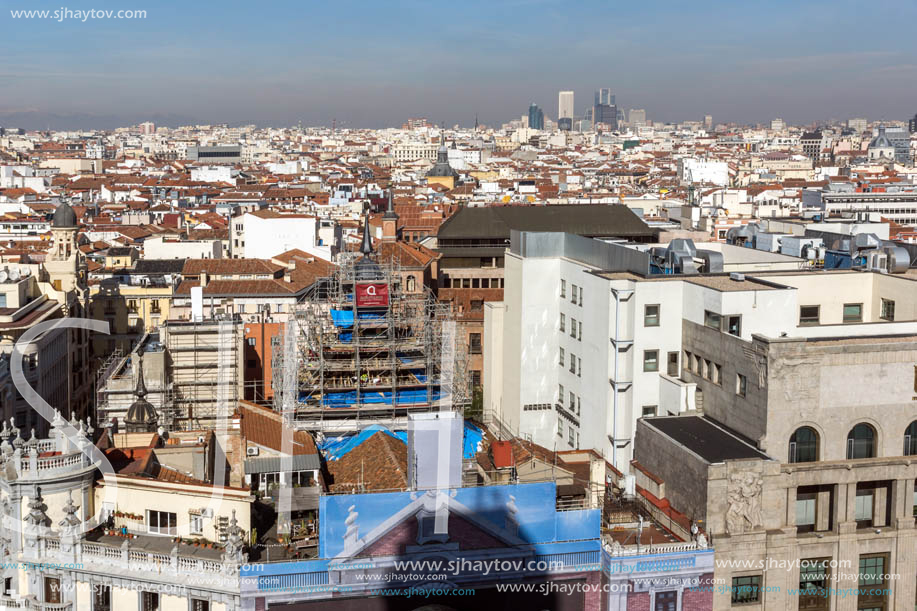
(205, 279)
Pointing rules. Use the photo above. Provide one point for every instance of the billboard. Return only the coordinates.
(373, 295)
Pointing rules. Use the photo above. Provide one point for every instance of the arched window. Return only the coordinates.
(861, 441)
(412, 284)
(804, 445)
(910, 439)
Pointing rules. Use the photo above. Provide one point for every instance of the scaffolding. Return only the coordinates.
(340, 366)
(205, 360)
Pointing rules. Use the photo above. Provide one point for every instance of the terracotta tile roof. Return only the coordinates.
(218, 267)
(264, 426)
(379, 463)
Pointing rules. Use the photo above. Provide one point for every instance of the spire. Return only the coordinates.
(390, 212)
(141, 385)
(367, 247)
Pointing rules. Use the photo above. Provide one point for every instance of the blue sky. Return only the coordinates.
(373, 64)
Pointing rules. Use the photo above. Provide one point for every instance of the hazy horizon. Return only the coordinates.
(374, 65)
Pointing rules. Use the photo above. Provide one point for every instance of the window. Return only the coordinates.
(477, 305)
(734, 325)
(579, 367)
(910, 439)
(572, 327)
(563, 322)
(571, 436)
(809, 315)
(197, 524)
(804, 445)
(579, 331)
(813, 584)
(853, 312)
(563, 288)
(887, 311)
(651, 360)
(712, 320)
(572, 401)
(717, 374)
(651, 315)
(872, 569)
(573, 293)
(149, 601)
(198, 604)
(741, 385)
(101, 597)
(561, 356)
(161, 522)
(746, 589)
(863, 508)
(475, 343)
(649, 410)
(665, 601)
(579, 406)
(560, 427)
(861, 442)
(560, 393)
(672, 367)
(52, 590)
(580, 297)
(572, 363)
(805, 510)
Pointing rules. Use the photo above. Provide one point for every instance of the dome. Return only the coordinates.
(64, 217)
(141, 415)
(881, 141)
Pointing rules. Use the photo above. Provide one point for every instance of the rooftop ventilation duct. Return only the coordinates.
(713, 261)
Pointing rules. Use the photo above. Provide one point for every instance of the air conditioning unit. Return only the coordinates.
(877, 261)
(251, 451)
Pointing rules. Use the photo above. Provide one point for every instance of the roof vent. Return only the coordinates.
(737, 277)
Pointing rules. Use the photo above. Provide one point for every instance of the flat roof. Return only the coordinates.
(704, 438)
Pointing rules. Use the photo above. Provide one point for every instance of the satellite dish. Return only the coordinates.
(14, 274)
(4, 275)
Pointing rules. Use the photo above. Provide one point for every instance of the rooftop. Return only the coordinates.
(709, 441)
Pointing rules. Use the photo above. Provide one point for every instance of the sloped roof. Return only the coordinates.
(590, 220)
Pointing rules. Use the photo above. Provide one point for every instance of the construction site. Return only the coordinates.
(361, 350)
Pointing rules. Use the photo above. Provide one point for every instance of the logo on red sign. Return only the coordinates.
(372, 295)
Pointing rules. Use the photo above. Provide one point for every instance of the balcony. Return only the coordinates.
(31, 603)
(676, 395)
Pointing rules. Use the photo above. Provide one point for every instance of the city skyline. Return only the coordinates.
(187, 64)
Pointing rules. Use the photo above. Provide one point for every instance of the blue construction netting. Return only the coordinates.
(334, 448)
(342, 318)
(349, 399)
(473, 440)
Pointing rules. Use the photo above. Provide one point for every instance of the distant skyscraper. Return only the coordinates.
(604, 96)
(778, 124)
(605, 114)
(147, 128)
(859, 125)
(636, 117)
(536, 116)
(708, 122)
(565, 105)
(912, 125)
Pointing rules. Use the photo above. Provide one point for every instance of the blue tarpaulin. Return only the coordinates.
(342, 318)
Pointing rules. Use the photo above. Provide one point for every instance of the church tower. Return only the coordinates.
(65, 264)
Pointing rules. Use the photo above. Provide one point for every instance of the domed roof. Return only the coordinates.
(64, 217)
(141, 415)
(881, 141)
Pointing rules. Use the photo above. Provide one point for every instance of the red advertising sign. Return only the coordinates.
(372, 295)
